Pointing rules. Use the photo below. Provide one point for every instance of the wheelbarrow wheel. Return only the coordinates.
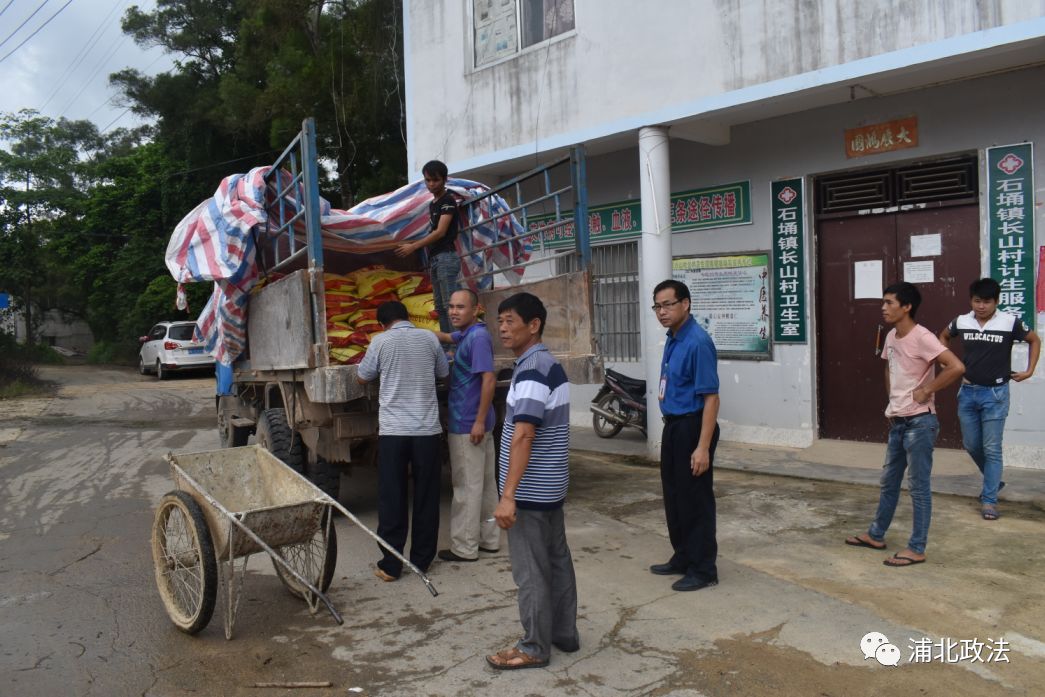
(313, 560)
(604, 428)
(183, 557)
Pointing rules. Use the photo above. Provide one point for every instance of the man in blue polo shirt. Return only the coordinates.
(689, 401)
(533, 475)
(470, 421)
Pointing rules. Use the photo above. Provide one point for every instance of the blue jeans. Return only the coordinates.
(982, 411)
(445, 268)
(910, 448)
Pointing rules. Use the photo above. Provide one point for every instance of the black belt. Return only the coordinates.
(672, 418)
(907, 419)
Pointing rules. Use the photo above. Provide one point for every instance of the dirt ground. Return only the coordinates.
(81, 473)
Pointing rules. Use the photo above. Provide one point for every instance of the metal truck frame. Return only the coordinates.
(314, 415)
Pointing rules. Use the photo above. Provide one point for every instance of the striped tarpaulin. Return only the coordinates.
(214, 243)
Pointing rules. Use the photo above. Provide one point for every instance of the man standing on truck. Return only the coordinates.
(443, 263)
(408, 360)
(689, 403)
(470, 420)
(983, 399)
(533, 476)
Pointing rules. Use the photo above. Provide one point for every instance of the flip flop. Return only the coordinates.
(855, 541)
(895, 560)
(989, 512)
(502, 660)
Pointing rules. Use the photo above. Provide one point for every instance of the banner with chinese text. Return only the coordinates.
(730, 300)
(717, 206)
(789, 286)
(1010, 194)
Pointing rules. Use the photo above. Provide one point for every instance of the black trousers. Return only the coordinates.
(689, 502)
(400, 458)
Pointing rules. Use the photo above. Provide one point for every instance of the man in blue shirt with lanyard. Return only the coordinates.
(689, 401)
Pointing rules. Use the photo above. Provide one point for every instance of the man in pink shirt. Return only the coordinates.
(912, 352)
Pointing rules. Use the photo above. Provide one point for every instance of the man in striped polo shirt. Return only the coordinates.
(408, 361)
(533, 475)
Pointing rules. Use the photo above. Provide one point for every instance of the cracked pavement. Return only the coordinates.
(82, 471)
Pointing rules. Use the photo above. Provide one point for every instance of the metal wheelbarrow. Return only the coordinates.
(229, 504)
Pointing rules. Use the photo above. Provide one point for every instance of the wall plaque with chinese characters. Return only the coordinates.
(789, 287)
(881, 137)
(1010, 219)
(716, 206)
(730, 300)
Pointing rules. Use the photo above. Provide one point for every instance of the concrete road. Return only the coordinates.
(82, 472)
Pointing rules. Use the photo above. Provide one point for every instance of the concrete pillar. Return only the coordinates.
(654, 264)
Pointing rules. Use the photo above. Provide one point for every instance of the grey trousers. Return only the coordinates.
(542, 568)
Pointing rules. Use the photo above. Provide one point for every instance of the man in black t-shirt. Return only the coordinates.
(987, 335)
(443, 262)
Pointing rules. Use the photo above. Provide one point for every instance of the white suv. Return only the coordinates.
(169, 347)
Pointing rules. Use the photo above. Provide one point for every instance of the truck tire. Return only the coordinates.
(324, 475)
(274, 434)
(231, 436)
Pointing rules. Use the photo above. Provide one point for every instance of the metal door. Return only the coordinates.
(851, 375)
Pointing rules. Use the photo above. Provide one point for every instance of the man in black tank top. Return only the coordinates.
(987, 335)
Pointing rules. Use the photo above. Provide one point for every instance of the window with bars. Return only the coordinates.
(615, 290)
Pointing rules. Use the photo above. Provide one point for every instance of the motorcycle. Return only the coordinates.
(621, 402)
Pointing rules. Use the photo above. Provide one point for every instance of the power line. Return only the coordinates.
(9, 3)
(98, 67)
(68, 2)
(24, 22)
(226, 162)
(121, 115)
(78, 59)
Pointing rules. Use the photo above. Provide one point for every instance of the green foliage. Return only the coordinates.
(18, 375)
(85, 217)
(122, 352)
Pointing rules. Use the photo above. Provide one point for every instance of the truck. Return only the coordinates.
(311, 412)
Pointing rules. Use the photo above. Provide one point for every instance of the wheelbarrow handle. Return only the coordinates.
(384, 545)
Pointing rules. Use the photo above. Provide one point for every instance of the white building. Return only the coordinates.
(867, 123)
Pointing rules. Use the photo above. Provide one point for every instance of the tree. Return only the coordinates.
(249, 73)
(43, 175)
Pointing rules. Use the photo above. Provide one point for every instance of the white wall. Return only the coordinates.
(626, 59)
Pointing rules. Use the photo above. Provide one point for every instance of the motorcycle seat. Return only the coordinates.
(630, 384)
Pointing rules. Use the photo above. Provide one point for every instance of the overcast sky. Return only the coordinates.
(64, 69)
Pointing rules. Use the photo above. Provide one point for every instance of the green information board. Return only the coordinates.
(789, 286)
(1010, 195)
(730, 300)
(717, 206)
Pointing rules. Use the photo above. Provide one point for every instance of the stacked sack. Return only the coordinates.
(352, 301)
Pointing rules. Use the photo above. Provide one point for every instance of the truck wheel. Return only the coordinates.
(324, 475)
(604, 428)
(230, 436)
(273, 434)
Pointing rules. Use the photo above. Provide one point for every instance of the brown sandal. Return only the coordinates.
(514, 659)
